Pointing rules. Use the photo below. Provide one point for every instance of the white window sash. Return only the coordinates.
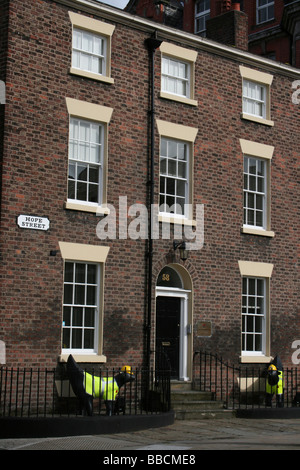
(85, 305)
(86, 150)
(88, 59)
(251, 320)
(172, 82)
(255, 194)
(170, 176)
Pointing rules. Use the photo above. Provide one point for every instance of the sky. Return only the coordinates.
(116, 3)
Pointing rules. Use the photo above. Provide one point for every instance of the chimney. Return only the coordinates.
(230, 28)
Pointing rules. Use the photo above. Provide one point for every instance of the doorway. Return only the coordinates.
(168, 334)
(173, 324)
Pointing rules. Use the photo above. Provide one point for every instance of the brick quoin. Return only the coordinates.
(34, 164)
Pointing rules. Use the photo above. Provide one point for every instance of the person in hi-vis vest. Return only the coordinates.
(86, 386)
(275, 383)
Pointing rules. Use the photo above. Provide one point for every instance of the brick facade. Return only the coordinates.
(34, 181)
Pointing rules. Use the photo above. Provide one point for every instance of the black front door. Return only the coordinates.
(168, 334)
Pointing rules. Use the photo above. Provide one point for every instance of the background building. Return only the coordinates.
(107, 116)
(273, 25)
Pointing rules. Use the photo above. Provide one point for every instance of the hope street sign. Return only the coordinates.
(33, 222)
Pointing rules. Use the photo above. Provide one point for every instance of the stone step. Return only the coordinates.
(197, 405)
(192, 395)
(193, 404)
(203, 414)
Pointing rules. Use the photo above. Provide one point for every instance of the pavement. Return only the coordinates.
(182, 437)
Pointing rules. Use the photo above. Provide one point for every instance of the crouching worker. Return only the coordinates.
(275, 383)
(87, 386)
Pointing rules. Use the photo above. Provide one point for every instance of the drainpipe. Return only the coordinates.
(152, 44)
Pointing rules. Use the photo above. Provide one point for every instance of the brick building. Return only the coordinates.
(273, 25)
(120, 135)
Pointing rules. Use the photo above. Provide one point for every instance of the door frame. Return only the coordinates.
(185, 330)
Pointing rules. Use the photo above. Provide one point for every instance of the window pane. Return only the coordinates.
(80, 273)
(77, 316)
(89, 319)
(68, 294)
(77, 338)
(89, 339)
(68, 272)
(67, 316)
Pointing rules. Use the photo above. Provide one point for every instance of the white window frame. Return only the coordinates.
(84, 58)
(96, 115)
(97, 30)
(256, 81)
(174, 160)
(88, 254)
(258, 271)
(253, 316)
(175, 82)
(83, 306)
(82, 151)
(201, 16)
(260, 153)
(254, 99)
(264, 9)
(182, 135)
(255, 190)
(180, 57)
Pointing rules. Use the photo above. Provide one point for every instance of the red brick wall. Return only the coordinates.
(34, 181)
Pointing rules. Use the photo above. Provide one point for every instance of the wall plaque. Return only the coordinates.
(204, 328)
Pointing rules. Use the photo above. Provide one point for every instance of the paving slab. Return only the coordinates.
(185, 436)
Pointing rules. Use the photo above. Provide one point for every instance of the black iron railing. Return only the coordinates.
(41, 392)
(241, 386)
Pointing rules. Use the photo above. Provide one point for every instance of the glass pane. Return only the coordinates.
(172, 149)
(170, 186)
(260, 287)
(67, 316)
(80, 273)
(91, 295)
(77, 316)
(172, 168)
(168, 277)
(82, 172)
(181, 188)
(92, 274)
(66, 338)
(88, 339)
(79, 295)
(93, 193)
(250, 201)
(170, 201)
(163, 165)
(259, 219)
(76, 338)
(68, 294)
(251, 287)
(89, 319)
(252, 183)
(182, 169)
(93, 175)
(250, 324)
(69, 272)
(81, 191)
(181, 151)
(250, 217)
(163, 149)
(258, 343)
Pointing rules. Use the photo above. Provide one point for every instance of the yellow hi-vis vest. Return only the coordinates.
(278, 388)
(105, 387)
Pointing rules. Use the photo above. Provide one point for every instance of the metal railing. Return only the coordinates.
(241, 386)
(41, 392)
